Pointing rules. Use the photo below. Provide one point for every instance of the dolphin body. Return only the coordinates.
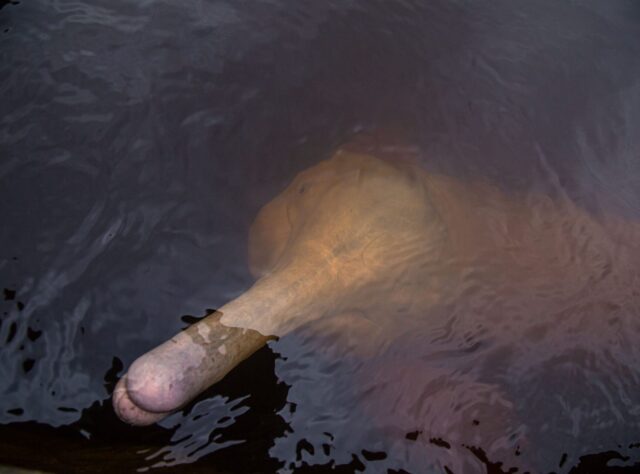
(360, 244)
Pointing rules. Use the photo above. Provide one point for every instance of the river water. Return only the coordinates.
(138, 141)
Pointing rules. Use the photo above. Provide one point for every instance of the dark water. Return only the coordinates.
(139, 139)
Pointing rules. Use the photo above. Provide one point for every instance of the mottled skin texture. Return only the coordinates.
(174, 372)
(343, 226)
(356, 243)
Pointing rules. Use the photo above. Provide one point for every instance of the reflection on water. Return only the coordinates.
(139, 141)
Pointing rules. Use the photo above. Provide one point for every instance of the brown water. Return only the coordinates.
(139, 140)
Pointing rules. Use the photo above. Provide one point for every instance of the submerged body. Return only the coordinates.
(344, 226)
(359, 247)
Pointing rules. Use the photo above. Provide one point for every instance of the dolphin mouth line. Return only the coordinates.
(361, 222)
(131, 412)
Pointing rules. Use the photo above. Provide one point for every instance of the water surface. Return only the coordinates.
(138, 141)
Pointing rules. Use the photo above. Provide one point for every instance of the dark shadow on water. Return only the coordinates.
(100, 442)
(4, 3)
(155, 149)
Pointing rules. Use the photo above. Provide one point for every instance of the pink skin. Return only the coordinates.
(168, 377)
(315, 247)
(360, 234)
(129, 411)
